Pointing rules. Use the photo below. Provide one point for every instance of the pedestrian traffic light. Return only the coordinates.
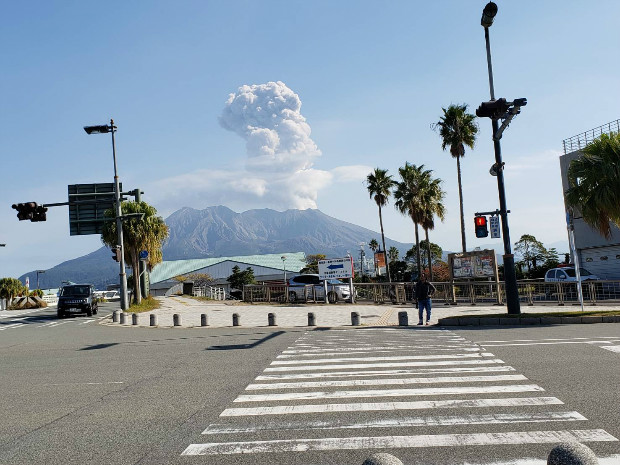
(493, 109)
(481, 226)
(39, 214)
(25, 211)
(116, 253)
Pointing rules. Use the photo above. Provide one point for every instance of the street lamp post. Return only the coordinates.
(283, 257)
(510, 277)
(119, 224)
(38, 273)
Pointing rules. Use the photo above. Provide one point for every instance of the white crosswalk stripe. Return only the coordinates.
(331, 391)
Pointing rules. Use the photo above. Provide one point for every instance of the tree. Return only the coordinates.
(312, 261)
(199, 279)
(147, 233)
(373, 245)
(531, 251)
(436, 254)
(433, 206)
(594, 181)
(10, 288)
(239, 278)
(379, 185)
(458, 129)
(409, 195)
(393, 254)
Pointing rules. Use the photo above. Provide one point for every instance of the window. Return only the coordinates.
(551, 274)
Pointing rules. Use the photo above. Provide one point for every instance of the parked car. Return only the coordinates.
(568, 274)
(77, 298)
(311, 286)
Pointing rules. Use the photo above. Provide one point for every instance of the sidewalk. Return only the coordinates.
(220, 314)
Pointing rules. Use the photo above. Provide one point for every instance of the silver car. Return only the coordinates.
(310, 287)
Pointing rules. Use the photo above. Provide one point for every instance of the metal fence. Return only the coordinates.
(531, 292)
(212, 292)
(579, 141)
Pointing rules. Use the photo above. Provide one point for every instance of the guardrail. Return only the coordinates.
(531, 292)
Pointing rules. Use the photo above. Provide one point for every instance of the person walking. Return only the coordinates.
(423, 293)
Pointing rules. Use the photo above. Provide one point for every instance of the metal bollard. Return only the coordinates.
(203, 320)
(115, 316)
(355, 319)
(176, 319)
(403, 319)
(311, 319)
(123, 317)
(572, 453)
(271, 319)
(153, 319)
(134, 319)
(236, 321)
(382, 459)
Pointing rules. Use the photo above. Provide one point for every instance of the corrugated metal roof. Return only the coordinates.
(295, 261)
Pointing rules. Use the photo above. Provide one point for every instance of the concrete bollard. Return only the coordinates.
(176, 319)
(236, 321)
(271, 319)
(153, 319)
(382, 459)
(571, 453)
(311, 319)
(355, 319)
(403, 319)
(123, 318)
(115, 316)
(203, 320)
(134, 319)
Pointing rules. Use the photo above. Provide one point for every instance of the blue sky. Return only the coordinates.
(371, 78)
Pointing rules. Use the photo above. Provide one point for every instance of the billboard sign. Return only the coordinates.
(87, 205)
(336, 268)
(471, 265)
(380, 262)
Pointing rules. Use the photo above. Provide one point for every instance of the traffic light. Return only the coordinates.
(116, 253)
(481, 226)
(25, 211)
(39, 214)
(493, 109)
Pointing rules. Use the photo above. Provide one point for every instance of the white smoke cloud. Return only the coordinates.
(278, 171)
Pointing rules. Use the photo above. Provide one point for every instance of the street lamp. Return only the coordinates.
(510, 277)
(104, 129)
(38, 273)
(283, 257)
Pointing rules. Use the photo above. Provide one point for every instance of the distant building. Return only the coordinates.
(267, 268)
(597, 254)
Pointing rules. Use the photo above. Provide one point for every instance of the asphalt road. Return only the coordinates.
(77, 392)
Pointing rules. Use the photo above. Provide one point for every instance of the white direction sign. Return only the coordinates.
(494, 226)
(336, 268)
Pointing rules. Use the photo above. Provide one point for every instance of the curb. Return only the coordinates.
(527, 321)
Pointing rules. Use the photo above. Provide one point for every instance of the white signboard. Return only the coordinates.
(336, 268)
(27, 282)
(494, 226)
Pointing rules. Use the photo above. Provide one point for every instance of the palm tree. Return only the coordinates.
(594, 181)
(146, 233)
(433, 203)
(379, 185)
(409, 195)
(373, 245)
(458, 129)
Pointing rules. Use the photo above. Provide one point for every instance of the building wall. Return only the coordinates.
(597, 254)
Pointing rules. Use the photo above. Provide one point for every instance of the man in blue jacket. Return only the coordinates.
(423, 293)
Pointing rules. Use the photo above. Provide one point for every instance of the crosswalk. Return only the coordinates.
(610, 343)
(44, 322)
(383, 389)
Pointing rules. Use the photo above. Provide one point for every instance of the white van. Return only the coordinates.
(568, 274)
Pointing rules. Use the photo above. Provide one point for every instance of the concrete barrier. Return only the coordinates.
(203, 320)
(311, 319)
(153, 319)
(134, 319)
(115, 316)
(571, 453)
(403, 319)
(176, 319)
(271, 319)
(355, 319)
(382, 459)
(123, 318)
(236, 319)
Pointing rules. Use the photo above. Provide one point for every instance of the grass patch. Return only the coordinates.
(146, 305)
(538, 315)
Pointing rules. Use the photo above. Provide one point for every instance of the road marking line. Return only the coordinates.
(80, 384)
(385, 442)
(612, 348)
(434, 391)
(386, 365)
(550, 339)
(12, 326)
(357, 374)
(348, 350)
(388, 406)
(545, 343)
(399, 422)
(377, 359)
(385, 382)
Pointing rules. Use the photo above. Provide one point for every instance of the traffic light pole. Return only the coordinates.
(510, 276)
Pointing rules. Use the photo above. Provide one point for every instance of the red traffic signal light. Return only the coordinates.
(481, 226)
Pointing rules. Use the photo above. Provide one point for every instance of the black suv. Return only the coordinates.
(77, 298)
